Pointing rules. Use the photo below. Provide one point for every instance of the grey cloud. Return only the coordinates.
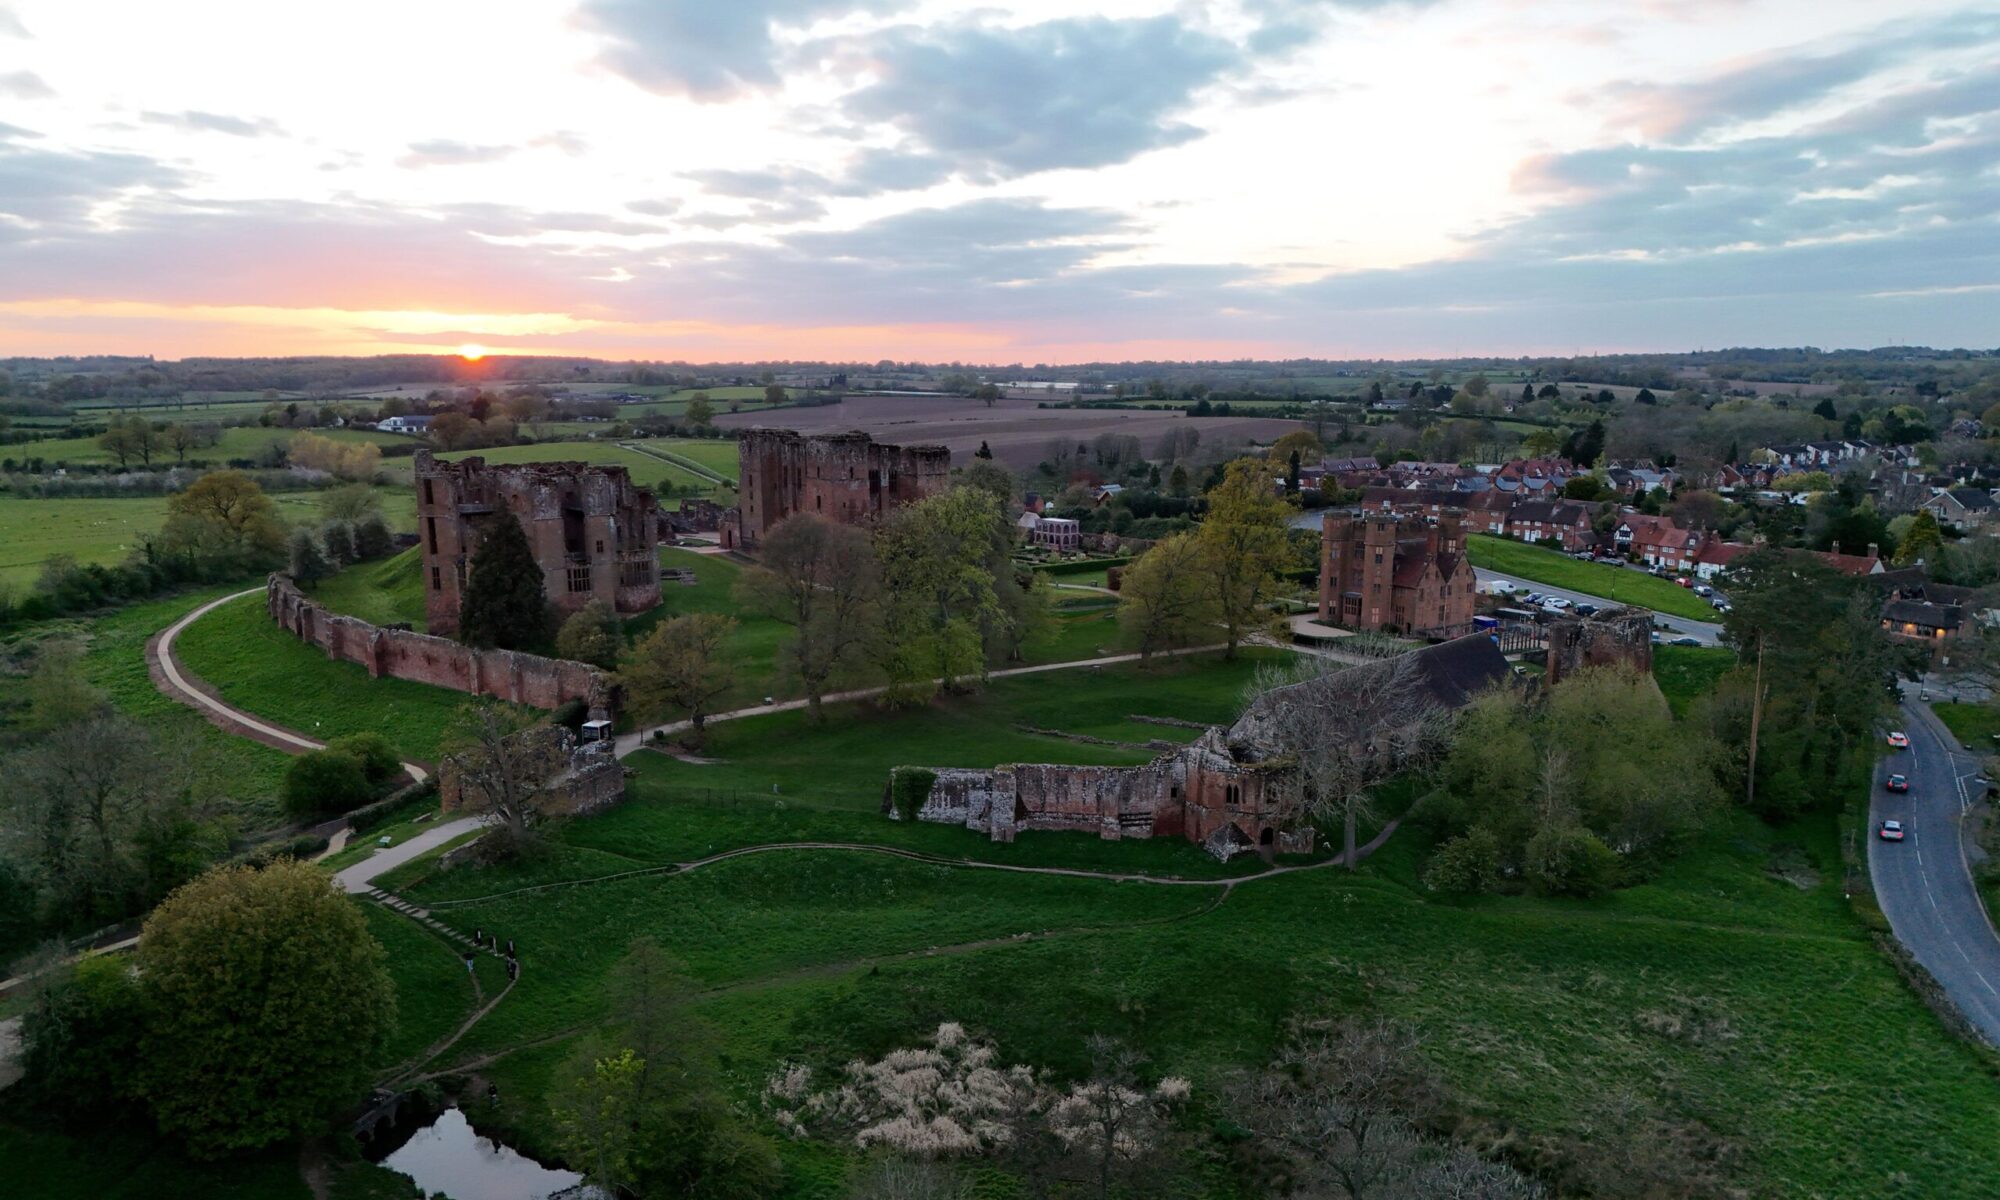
(10, 25)
(1773, 85)
(878, 170)
(25, 85)
(1083, 92)
(654, 208)
(443, 152)
(757, 183)
(706, 49)
(57, 189)
(569, 143)
(207, 122)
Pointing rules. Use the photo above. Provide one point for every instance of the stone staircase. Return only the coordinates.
(422, 916)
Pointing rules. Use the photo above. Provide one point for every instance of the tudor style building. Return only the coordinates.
(1403, 574)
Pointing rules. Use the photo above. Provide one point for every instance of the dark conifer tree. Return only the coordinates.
(503, 604)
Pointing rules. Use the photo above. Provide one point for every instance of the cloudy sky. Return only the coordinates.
(959, 179)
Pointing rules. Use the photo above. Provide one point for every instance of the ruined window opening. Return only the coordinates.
(579, 579)
(819, 502)
(600, 545)
(428, 499)
(437, 580)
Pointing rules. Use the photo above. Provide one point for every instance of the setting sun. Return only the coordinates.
(472, 352)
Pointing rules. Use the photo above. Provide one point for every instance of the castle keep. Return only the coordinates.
(844, 477)
(594, 534)
(1396, 573)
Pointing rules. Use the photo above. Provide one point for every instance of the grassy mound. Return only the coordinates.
(381, 593)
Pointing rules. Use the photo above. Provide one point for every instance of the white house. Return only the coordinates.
(412, 424)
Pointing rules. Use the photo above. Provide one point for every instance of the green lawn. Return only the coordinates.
(262, 669)
(1687, 672)
(106, 531)
(1974, 725)
(382, 593)
(717, 456)
(1553, 567)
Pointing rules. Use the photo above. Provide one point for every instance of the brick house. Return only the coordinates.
(1385, 571)
(1658, 541)
(1964, 507)
(1564, 522)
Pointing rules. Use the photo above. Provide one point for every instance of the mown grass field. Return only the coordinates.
(107, 530)
(1553, 567)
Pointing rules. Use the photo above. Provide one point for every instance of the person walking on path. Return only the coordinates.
(468, 962)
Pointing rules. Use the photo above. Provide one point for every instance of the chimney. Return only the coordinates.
(1874, 550)
(1836, 547)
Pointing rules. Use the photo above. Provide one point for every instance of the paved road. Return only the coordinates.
(1708, 632)
(1924, 883)
(360, 876)
(181, 686)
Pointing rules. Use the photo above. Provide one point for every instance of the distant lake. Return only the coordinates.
(448, 1156)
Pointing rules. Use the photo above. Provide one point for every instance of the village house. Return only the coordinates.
(404, 424)
(1963, 507)
(1564, 522)
(1658, 541)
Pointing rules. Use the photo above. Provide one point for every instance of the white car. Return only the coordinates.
(1892, 831)
(1703, 590)
(1555, 602)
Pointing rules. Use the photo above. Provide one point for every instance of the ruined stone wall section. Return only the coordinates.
(576, 778)
(1621, 637)
(845, 477)
(509, 675)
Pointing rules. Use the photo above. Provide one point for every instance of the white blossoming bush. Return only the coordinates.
(950, 1098)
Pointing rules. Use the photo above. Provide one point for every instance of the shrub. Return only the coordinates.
(371, 537)
(1466, 864)
(909, 787)
(325, 781)
(378, 760)
(1570, 861)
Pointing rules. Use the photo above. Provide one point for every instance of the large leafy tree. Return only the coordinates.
(225, 522)
(943, 600)
(504, 604)
(680, 667)
(1244, 537)
(1166, 599)
(822, 580)
(266, 1001)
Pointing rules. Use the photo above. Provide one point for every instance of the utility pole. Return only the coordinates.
(1756, 719)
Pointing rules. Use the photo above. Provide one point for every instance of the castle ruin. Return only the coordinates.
(845, 477)
(1228, 791)
(1622, 637)
(593, 532)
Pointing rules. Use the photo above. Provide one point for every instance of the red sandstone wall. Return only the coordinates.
(507, 675)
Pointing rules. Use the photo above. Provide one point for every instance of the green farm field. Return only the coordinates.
(242, 442)
(647, 470)
(106, 530)
(1543, 565)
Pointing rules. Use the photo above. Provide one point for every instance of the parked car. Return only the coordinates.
(1684, 640)
(1898, 783)
(1899, 740)
(1656, 637)
(1555, 602)
(1684, 581)
(1892, 831)
(1611, 560)
(1719, 603)
(1703, 590)
(1585, 610)
(1585, 555)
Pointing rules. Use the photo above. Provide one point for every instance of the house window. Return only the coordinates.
(579, 579)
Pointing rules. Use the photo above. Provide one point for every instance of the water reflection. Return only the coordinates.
(447, 1156)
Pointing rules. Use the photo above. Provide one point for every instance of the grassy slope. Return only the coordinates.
(382, 592)
(1552, 567)
(264, 670)
(114, 660)
(105, 531)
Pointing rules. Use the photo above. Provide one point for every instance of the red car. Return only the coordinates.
(1892, 831)
(1899, 740)
(1898, 784)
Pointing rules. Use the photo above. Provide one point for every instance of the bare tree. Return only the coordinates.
(822, 579)
(501, 775)
(1347, 731)
(908, 1179)
(1339, 1110)
(1113, 1126)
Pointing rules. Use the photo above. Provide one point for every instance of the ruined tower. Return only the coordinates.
(594, 534)
(844, 477)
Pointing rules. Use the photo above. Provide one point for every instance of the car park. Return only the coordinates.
(1898, 783)
(1891, 831)
(1899, 740)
